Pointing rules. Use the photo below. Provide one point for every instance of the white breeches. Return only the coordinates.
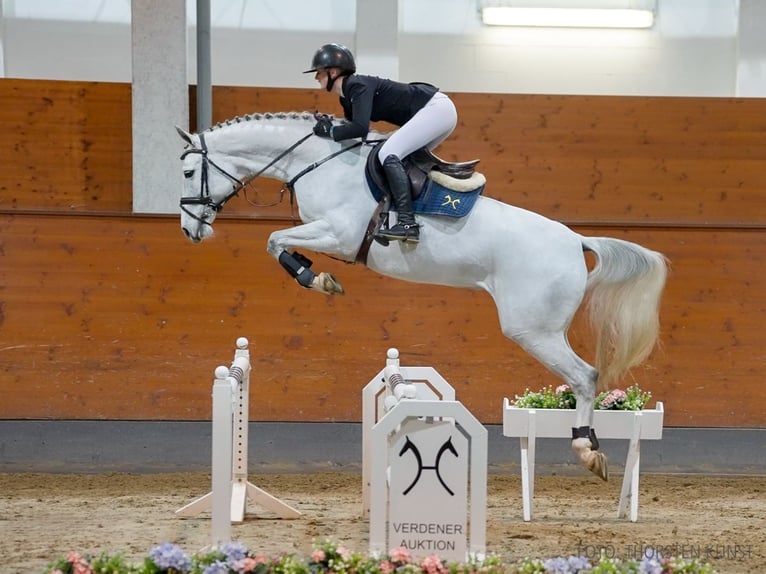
(427, 128)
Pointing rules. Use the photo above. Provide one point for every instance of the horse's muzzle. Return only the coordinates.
(194, 238)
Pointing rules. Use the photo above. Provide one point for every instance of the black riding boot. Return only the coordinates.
(406, 229)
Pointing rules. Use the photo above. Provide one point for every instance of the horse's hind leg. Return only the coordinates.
(553, 350)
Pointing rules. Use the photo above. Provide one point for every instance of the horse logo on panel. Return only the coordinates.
(411, 447)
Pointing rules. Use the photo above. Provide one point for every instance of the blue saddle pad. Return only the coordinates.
(436, 199)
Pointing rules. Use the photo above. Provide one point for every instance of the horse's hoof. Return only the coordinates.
(328, 284)
(597, 464)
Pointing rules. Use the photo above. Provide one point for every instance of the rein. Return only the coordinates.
(290, 185)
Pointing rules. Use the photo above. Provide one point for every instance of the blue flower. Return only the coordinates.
(217, 567)
(571, 565)
(234, 551)
(167, 556)
(651, 563)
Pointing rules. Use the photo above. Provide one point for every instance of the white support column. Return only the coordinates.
(221, 494)
(751, 56)
(160, 101)
(377, 38)
(2, 41)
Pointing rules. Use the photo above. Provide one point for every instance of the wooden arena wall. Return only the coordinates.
(109, 315)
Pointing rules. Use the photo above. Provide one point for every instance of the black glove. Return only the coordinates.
(323, 128)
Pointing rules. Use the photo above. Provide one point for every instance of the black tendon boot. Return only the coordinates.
(406, 229)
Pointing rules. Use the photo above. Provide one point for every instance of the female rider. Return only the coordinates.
(425, 116)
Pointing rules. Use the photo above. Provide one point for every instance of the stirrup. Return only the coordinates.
(381, 226)
(409, 233)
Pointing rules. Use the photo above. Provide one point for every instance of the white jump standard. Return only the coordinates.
(380, 395)
(230, 487)
(426, 462)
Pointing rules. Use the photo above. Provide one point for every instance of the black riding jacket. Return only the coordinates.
(369, 98)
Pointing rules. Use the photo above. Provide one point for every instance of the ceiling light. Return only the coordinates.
(567, 17)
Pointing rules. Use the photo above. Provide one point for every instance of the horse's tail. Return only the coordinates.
(623, 294)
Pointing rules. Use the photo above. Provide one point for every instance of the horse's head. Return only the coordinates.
(218, 163)
(208, 185)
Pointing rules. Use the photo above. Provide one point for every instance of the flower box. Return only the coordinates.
(528, 424)
(558, 423)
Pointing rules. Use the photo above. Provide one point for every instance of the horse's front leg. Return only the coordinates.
(316, 236)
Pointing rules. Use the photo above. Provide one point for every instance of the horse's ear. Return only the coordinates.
(186, 136)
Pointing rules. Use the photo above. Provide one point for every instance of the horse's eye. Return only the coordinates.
(189, 173)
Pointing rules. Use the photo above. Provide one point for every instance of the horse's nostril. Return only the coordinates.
(194, 238)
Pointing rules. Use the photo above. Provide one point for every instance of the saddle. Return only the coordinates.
(420, 166)
(438, 188)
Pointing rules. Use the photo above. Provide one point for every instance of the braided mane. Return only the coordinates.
(305, 116)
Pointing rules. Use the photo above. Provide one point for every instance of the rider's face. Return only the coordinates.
(322, 76)
(325, 75)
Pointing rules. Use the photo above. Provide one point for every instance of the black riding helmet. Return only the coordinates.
(333, 56)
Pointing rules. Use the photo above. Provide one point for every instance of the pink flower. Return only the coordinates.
(79, 564)
(318, 555)
(613, 397)
(562, 389)
(344, 552)
(401, 555)
(386, 567)
(432, 564)
(245, 565)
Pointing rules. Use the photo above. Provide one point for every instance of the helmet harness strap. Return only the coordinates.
(331, 81)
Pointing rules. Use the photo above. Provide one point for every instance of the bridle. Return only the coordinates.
(238, 185)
